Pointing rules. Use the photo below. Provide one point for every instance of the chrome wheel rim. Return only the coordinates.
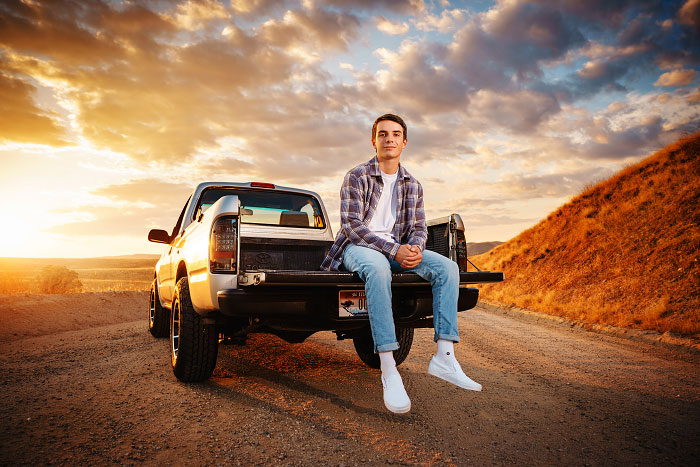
(175, 330)
(152, 307)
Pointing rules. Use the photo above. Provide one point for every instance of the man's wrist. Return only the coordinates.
(394, 249)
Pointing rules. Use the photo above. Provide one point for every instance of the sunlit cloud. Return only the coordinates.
(387, 27)
(689, 13)
(194, 14)
(446, 22)
(513, 101)
(676, 78)
(20, 118)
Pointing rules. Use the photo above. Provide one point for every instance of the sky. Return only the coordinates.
(111, 112)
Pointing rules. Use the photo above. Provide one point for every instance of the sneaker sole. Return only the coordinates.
(470, 388)
(397, 409)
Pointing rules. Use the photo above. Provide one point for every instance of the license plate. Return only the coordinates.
(352, 303)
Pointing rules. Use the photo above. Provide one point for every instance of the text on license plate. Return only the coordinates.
(352, 303)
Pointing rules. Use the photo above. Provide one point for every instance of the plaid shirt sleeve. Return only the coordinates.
(418, 230)
(352, 196)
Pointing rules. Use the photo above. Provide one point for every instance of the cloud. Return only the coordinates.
(144, 191)
(21, 120)
(604, 13)
(689, 14)
(491, 220)
(676, 78)
(611, 143)
(324, 29)
(121, 221)
(394, 6)
(387, 27)
(484, 202)
(597, 50)
(172, 83)
(520, 111)
(259, 8)
(133, 208)
(417, 84)
(255, 8)
(194, 14)
(446, 22)
(693, 98)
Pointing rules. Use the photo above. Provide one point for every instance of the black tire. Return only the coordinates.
(158, 316)
(364, 346)
(193, 345)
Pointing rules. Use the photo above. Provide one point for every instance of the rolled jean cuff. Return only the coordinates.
(447, 337)
(386, 347)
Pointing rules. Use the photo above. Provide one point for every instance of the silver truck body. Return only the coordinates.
(188, 252)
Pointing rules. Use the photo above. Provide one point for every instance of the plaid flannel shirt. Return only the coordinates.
(359, 196)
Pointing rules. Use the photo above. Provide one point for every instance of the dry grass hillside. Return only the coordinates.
(134, 272)
(625, 252)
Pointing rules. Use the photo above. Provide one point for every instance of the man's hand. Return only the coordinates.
(408, 256)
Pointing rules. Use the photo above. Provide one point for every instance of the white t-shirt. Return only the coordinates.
(384, 218)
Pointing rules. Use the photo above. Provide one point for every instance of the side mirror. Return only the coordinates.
(158, 236)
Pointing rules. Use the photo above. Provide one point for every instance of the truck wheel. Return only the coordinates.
(193, 344)
(364, 346)
(158, 317)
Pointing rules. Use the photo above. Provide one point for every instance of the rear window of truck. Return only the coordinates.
(269, 207)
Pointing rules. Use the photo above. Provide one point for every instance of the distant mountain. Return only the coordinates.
(625, 252)
(477, 248)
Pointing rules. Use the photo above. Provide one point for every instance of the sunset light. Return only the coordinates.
(111, 112)
(515, 281)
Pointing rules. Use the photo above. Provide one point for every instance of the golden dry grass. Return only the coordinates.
(625, 252)
(19, 275)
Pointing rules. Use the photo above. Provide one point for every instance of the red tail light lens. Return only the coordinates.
(261, 185)
(223, 245)
(461, 251)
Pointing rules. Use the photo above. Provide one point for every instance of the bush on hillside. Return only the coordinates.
(59, 280)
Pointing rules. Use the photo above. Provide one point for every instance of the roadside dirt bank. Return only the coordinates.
(103, 393)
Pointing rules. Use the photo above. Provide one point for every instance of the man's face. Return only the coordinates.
(388, 140)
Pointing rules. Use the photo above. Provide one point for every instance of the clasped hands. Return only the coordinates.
(408, 256)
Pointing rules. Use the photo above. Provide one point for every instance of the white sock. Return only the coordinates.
(387, 363)
(446, 350)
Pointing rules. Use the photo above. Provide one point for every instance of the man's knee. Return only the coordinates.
(378, 269)
(448, 269)
(371, 263)
(453, 270)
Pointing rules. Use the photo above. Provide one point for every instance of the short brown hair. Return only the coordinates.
(393, 118)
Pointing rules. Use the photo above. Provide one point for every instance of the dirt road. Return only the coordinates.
(552, 395)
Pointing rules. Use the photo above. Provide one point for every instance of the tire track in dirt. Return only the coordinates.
(552, 395)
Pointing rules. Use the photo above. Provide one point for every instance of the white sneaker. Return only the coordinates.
(395, 397)
(452, 373)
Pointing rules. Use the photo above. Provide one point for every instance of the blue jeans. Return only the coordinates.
(375, 270)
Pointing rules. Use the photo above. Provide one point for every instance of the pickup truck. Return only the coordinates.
(245, 258)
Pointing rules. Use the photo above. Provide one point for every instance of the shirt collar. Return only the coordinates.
(374, 169)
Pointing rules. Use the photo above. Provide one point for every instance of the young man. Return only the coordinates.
(383, 230)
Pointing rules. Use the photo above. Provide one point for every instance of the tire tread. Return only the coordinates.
(199, 343)
(364, 346)
(161, 315)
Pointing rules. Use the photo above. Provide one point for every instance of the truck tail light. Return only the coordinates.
(461, 247)
(223, 245)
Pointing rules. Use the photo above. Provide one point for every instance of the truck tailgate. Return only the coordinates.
(330, 278)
